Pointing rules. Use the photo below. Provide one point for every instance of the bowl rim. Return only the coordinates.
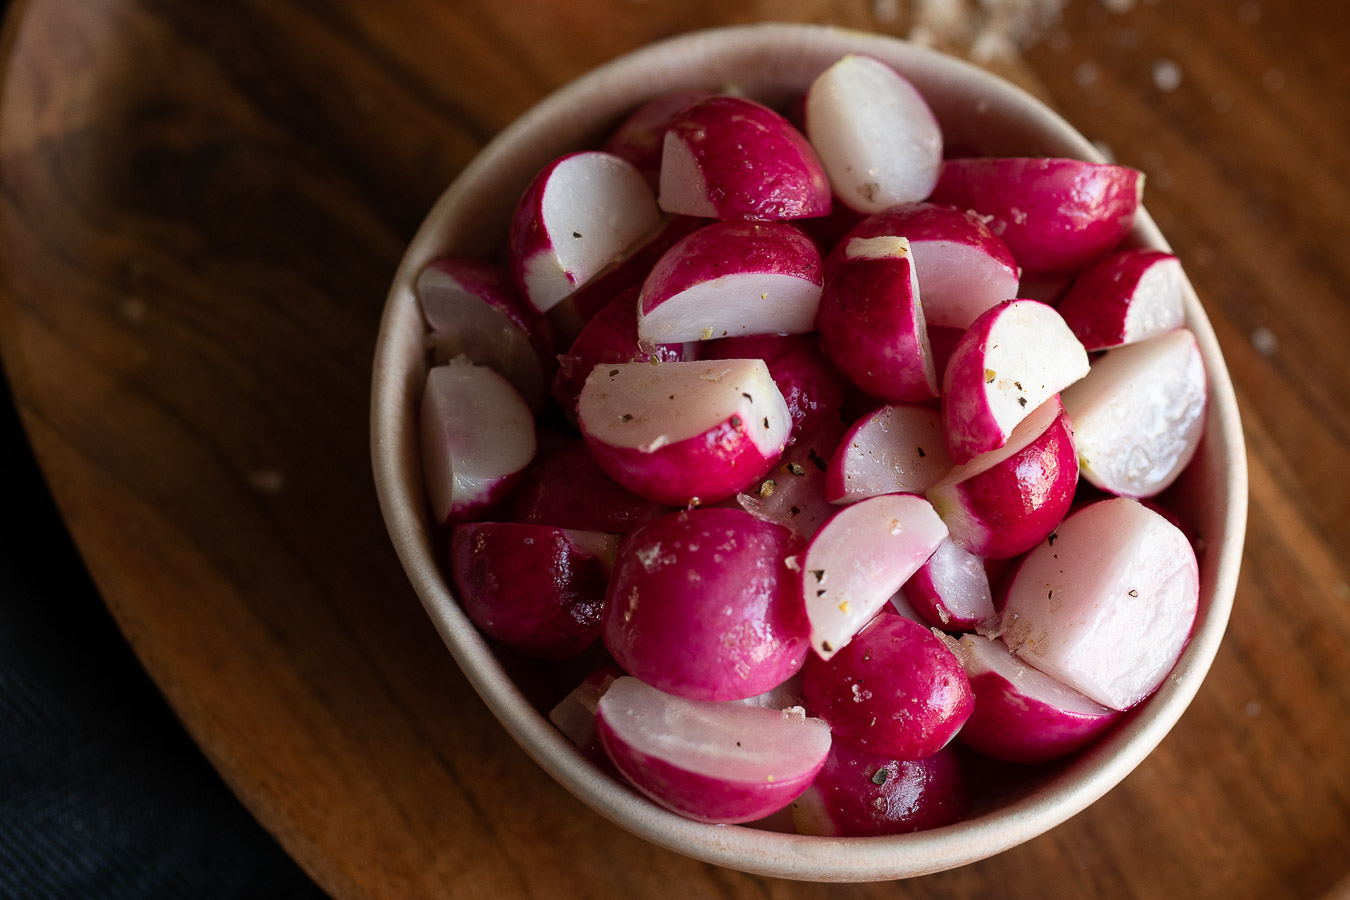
(397, 382)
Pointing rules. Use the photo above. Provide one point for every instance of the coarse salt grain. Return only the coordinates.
(1166, 75)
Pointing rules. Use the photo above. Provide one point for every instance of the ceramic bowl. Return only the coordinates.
(774, 63)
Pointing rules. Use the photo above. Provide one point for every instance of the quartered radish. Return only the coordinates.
(1012, 359)
(641, 137)
(684, 432)
(1006, 501)
(567, 488)
(894, 449)
(732, 158)
(1021, 714)
(860, 794)
(731, 279)
(793, 491)
(896, 690)
(1054, 214)
(1105, 604)
(1139, 414)
(879, 141)
(951, 590)
(811, 386)
(477, 437)
(711, 762)
(472, 309)
(859, 559)
(1129, 297)
(536, 588)
(963, 269)
(871, 321)
(574, 715)
(581, 213)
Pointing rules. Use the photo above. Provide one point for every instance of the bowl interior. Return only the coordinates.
(774, 63)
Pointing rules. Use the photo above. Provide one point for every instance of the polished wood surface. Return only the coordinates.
(203, 205)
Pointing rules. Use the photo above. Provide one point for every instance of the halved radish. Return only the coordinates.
(1139, 414)
(567, 488)
(477, 437)
(793, 491)
(578, 215)
(1129, 297)
(879, 141)
(951, 590)
(809, 383)
(963, 269)
(574, 715)
(892, 450)
(641, 137)
(732, 158)
(1021, 714)
(712, 762)
(1054, 214)
(871, 321)
(473, 309)
(1011, 360)
(1006, 501)
(860, 794)
(859, 559)
(684, 432)
(1107, 603)
(730, 279)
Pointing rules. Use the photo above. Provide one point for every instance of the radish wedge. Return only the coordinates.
(859, 794)
(891, 450)
(574, 715)
(859, 559)
(951, 590)
(1126, 298)
(641, 137)
(810, 384)
(568, 489)
(1108, 604)
(711, 762)
(793, 492)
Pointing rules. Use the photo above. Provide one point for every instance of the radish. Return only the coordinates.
(1054, 214)
(962, 268)
(1139, 414)
(871, 321)
(472, 309)
(859, 559)
(1125, 298)
(477, 437)
(793, 492)
(1023, 715)
(684, 433)
(732, 158)
(782, 696)
(893, 449)
(536, 588)
(567, 488)
(811, 386)
(578, 215)
(860, 794)
(574, 715)
(730, 279)
(951, 590)
(711, 762)
(1012, 359)
(641, 137)
(1006, 501)
(879, 141)
(1105, 604)
(896, 690)
(942, 341)
(675, 619)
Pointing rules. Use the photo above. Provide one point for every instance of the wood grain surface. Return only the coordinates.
(202, 207)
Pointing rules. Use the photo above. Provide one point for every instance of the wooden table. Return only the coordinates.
(203, 205)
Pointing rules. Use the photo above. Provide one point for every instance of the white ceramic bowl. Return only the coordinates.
(774, 63)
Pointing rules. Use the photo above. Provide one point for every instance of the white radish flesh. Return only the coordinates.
(892, 450)
(951, 590)
(1126, 298)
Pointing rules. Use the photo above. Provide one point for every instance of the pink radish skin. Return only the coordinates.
(1108, 606)
(963, 269)
(793, 492)
(732, 279)
(951, 590)
(581, 213)
(896, 690)
(1023, 715)
(477, 437)
(732, 158)
(641, 137)
(871, 321)
(533, 587)
(568, 489)
(574, 715)
(1139, 414)
(1006, 501)
(942, 341)
(684, 433)
(892, 450)
(859, 794)
(1054, 214)
(610, 337)
(1126, 298)
(676, 620)
(472, 309)
(1012, 359)
(811, 386)
(711, 762)
(877, 138)
(859, 559)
